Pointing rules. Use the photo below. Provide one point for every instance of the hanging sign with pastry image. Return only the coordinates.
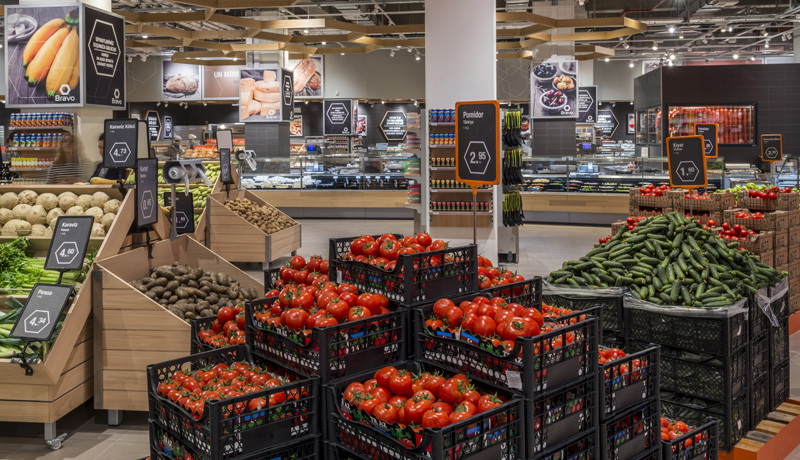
(180, 82)
(261, 95)
(307, 77)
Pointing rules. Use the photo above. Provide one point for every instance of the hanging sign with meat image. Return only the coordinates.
(180, 81)
(307, 77)
(260, 95)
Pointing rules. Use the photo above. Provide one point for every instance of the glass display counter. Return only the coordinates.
(736, 122)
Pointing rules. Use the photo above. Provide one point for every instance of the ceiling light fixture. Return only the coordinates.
(626, 45)
(670, 63)
(680, 36)
(306, 102)
(158, 104)
(391, 53)
(655, 46)
(324, 43)
(409, 49)
(630, 65)
(730, 28)
(765, 33)
(144, 37)
(607, 59)
(143, 57)
(383, 102)
(166, 104)
(672, 29)
(205, 103)
(789, 36)
(342, 54)
(766, 45)
(398, 46)
(418, 57)
(752, 58)
(705, 41)
(416, 103)
(130, 58)
(235, 58)
(305, 31)
(735, 56)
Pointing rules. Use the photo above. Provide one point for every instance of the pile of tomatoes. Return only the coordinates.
(674, 429)
(298, 271)
(652, 190)
(607, 355)
(769, 193)
(489, 277)
(396, 396)
(191, 390)
(747, 215)
(228, 329)
(301, 307)
(697, 196)
(384, 251)
(735, 232)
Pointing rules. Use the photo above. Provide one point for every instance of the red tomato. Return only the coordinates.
(424, 239)
(415, 408)
(453, 317)
(469, 321)
(432, 384)
(356, 247)
(401, 383)
(441, 307)
(296, 318)
(370, 302)
(369, 403)
(384, 375)
(326, 321)
(438, 245)
(301, 276)
(451, 391)
(488, 309)
(357, 313)
(386, 413)
(435, 418)
(484, 326)
(371, 249)
(225, 314)
(381, 393)
(534, 315)
(349, 297)
(389, 249)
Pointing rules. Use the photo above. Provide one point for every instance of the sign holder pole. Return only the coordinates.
(474, 215)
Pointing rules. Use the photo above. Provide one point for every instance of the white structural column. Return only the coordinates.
(460, 65)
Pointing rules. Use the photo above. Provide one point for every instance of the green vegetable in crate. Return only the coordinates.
(11, 347)
(670, 260)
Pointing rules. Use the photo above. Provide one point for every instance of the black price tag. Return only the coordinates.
(183, 211)
(146, 192)
(225, 166)
(478, 142)
(41, 312)
(167, 127)
(153, 124)
(68, 246)
(771, 147)
(710, 139)
(687, 162)
(120, 143)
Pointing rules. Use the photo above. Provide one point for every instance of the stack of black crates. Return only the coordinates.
(778, 324)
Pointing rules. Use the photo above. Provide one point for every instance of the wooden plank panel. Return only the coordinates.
(143, 340)
(125, 400)
(128, 300)
(137, 320)
(229, 234)
(87, 332)
(74, 377)
(769, 427)
(45, 412)
(789, 408)
(65, 404)
(82, 352)
(749, 445)
(123, 380)
(137, 359)
(28, 393)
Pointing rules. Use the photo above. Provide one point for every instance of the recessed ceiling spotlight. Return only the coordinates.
(398, 46)
(305, 31)
(672, 29)
(655, 46)
(766, 45)
(607, 59)
(144, 37)
(671, 57)
(670, 63)
(143, 57)
(416, 103)
(735, 56)
(158, 104)
(680, 36)
(383, 102)
(166, 104)
(391, 53)
(752, 58)
(630, 65)
(409, 49)
(306, 102)
(324, 43)
(705, 41)
(341, 54)
(205, 103)
(235, 58)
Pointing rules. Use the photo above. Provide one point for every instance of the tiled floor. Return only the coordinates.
(542, 249)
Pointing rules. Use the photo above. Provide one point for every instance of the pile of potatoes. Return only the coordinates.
(189, 292)
(28, 213)
(265, 217)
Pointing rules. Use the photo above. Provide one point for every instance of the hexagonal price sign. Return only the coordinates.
(771, 147)
(41, 312)
(69, 243)
(36, 321)
(710, 138)
(478, 143)
(120, 141)
(146, 186)
(120, 152)
(687, 162)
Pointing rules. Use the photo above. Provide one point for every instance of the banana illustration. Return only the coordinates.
(40, 65)
(39, 38)
(76, 73)
(64, 63)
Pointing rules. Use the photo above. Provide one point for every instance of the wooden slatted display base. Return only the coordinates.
(774, 438)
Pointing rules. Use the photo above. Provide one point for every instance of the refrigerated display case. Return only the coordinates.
(737, 123)
(648, 126)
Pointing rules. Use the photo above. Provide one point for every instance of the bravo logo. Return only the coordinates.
(64, 94)
(116, 100)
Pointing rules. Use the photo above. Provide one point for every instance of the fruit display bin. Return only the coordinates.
(733, 416)
(236, 239)
(759, 243)
(695, 329)
(586, 446)
(629, 381)
(554, 417)
(576, 298)
(417, 278)
(635, 198)
(490, 435)
(331, 352)
(533, 365)
(699, 443)
(230, 428)
(271, 278)
(631, 432)
(782, 202)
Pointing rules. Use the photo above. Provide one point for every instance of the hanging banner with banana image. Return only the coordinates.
(43, 56)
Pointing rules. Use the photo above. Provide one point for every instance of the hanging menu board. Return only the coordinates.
(771, 147)
(42, 311)
(478, 143)
(607, 123)
(153, 124)
(339, 117)
(120, 138)
(69, 242)
(146, 189)
(687, 162)
(587, 104)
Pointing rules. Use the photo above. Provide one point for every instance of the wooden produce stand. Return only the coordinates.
(64, 380)
(133, 331)
(236, 239)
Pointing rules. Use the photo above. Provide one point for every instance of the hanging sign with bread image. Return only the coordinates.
(261, 95)
(180, 82)
(307, 77)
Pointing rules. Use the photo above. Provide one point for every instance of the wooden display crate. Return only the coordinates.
(135, 330)
(637, 200)
(794, 218)
(716, 202)
(775, 221)
(781, 257)
(784, 202)
(236, 239)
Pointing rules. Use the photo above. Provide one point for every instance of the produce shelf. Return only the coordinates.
(458, 213)
(443, 168)
(28, 169)
(442, 146)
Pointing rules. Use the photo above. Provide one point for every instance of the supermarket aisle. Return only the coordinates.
(543, 248)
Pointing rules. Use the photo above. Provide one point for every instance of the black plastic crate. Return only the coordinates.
(586, 446)
(759, 400)
(673, 327)
(527, 293)
(629, 381)
(417, 278)
(631, 432)
(613, 340)
(584, 298)
(201, 324)
(271, 278)
(651, 454)
(733, 417)
(701, 443)
(335, 351)
(759, 357)
(229, 428)
(758, 321)
(717, 378)
(779, 383)
(307, 448)
(559, 415)
(779, 343)
(494, 434)
(535, 364)
(779, 299)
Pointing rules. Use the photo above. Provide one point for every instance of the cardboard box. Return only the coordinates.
(782, 268)
(781, 240)
(775, 221)
(715, 202)
(757, 244)
(794, 253)
(794, 218)
(794, 269)
(635, 199)
(618, 225)
(767, 257)
(784, 202)
(794, 235)
(782, 258)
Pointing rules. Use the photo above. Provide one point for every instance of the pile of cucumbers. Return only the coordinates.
(670, 260)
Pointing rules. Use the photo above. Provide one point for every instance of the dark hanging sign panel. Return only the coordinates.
(587, 104)
(338, 115)
(478, 142)
(393, 125)
(607, 123)
(225, 166)
(771, 147)
(287, 95)
(146, 190)
(710, 140)
(184, 211)
(120, 139)
(167, 127)
(68, 246)
(153, 124)
(41, 312)
(104, 52)
(687, 162)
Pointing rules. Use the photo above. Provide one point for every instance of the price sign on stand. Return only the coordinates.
(184, 211)
(120, 139)
(710, 138)
(41, 312)
(477, 148)
(146, 192)
(771, 147)
(687, 162)
(225, 166)
(69, 243)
